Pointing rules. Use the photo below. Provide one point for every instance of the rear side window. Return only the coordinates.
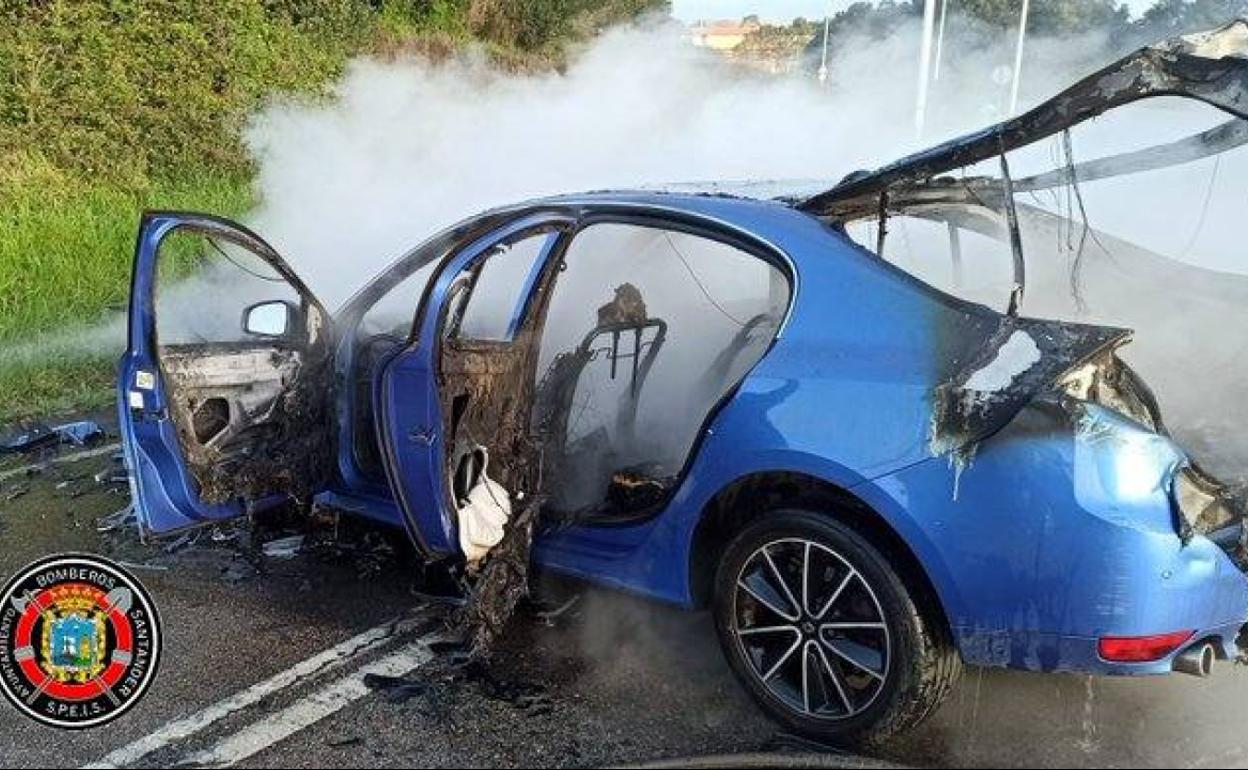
(647, 330)
(494, 303)
(963, 251)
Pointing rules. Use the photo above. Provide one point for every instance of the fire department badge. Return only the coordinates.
(79, 641)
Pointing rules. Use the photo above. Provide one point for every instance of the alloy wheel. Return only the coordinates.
(811, 629)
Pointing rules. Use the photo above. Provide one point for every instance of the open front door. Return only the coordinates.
(222, 391)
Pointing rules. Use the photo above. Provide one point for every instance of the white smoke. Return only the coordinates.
(400, 149)
(404, 148)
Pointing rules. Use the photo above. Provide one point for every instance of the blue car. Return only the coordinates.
(741, 402)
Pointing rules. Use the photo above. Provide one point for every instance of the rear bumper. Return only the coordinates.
(1079, 654)
(1155, 585)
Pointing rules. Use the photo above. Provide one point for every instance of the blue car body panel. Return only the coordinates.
(1033, 548)
(1052, 542)
(1043, 542)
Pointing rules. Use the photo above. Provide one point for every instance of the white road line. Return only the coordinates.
(181, 729)
(306, 712)
(60, 460)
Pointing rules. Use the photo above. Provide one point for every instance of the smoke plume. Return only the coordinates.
(406, 147)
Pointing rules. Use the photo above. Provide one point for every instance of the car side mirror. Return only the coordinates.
(275, 318)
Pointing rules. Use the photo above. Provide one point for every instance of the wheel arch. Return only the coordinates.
(749, 498)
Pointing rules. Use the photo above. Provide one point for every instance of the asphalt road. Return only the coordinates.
(246, 677)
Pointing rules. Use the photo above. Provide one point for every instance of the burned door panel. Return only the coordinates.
(250, 409)
(446, 393)
(486, 354)
(647, 330)
(225, 344)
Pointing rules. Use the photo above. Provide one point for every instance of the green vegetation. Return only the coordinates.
(65, 251)
(57, 385)
(108, 107)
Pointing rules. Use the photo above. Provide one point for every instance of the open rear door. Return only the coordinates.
(464, 380)
(222, 391)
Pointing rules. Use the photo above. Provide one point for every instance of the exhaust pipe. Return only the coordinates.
(1196, 660)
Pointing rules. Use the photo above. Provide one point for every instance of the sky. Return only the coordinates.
(784, 10)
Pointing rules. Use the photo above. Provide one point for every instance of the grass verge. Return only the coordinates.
(55, 387)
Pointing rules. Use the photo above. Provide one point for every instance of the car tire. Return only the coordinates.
(864, 663)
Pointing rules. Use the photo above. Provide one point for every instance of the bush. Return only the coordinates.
(65, 249)
(129, 90)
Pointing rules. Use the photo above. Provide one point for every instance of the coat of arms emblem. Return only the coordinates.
(74, 638)
(79, 641)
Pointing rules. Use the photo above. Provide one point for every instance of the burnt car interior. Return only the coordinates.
(639, 318)
(593, 399)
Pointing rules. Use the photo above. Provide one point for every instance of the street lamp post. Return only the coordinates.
(823, 60)
(1018, 57)
(925, 65)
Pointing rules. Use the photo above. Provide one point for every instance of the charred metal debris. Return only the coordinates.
(255, 439)
(40, 438)
(492, 404)
(1004, 372)
(1211, 67)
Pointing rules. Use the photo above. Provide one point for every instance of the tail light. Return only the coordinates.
(1141, 649)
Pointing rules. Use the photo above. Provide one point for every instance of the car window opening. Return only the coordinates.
(624, 386)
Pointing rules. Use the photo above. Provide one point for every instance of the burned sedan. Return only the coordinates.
(727, 402)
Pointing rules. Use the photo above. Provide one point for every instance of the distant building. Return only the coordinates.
(762, 47)
(721, 35)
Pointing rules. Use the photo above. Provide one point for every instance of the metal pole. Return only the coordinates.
(955, 253)
(823, 62)
(1018, 57)
(940, 39)
(925, 65)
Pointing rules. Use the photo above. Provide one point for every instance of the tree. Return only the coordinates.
(1176, 17)
(861, 20)
(1048, 17)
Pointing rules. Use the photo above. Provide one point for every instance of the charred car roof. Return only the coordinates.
(1208, 66)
